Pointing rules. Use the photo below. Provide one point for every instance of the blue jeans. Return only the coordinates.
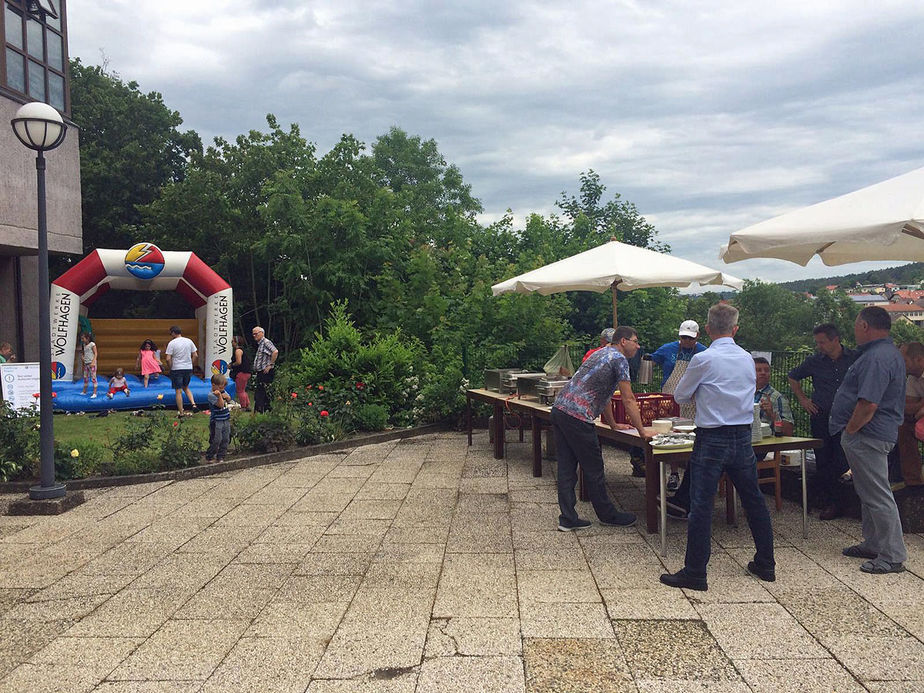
(576, 442)
(219, 437)
(724, 449)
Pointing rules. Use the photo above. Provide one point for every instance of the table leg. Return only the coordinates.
(537, 446)
(468, 416)
(662, 484)
(651, 491)
(804, 496)
(498, 432)
(582, 488)
(522, 421)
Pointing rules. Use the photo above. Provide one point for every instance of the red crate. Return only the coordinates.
(651, 405)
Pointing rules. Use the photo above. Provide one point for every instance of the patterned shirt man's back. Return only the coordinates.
(591, 388)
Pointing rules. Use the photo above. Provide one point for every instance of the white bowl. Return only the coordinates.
(662, 425)
(685, 428)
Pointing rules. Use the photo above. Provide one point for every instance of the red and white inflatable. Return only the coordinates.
(143, 267)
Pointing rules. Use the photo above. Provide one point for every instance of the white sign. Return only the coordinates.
(20, 383)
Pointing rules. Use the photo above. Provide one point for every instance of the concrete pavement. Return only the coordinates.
(424, 565)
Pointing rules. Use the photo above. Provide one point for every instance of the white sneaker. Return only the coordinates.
(93, 396)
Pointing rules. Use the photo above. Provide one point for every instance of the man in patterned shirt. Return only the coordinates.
(774, 407)
(585, 397)
(264, 363)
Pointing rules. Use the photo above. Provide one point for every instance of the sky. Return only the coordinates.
(707, 115)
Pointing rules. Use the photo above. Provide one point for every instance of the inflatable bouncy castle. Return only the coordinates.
(143, 267)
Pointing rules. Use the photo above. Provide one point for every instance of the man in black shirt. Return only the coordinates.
(826, 368)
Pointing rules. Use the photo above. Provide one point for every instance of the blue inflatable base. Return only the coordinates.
(159, 392)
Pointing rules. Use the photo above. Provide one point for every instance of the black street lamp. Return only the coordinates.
(40, 127)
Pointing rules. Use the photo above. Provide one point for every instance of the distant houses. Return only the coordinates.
(902, 302)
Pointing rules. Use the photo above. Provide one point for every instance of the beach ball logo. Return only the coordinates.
(57, 370)
(144, 260)
(219, 367)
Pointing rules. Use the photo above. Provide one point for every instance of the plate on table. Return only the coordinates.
(672, 446)
(685, 429)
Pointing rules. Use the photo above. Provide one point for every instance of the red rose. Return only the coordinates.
(294, 395)
(324, 412)
(176, 423)
(320, 387)
(360, 386)
(309, 404)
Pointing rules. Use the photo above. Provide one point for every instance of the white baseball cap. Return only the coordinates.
(688, 328)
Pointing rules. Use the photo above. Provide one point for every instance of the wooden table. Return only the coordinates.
(655, 460)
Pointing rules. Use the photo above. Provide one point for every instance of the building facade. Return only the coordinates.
(33, 67)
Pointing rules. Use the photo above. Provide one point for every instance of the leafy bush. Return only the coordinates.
(78, 459)
(19, 441)
(268, 432)
(180, 447)
(133, 462)
(371, 417)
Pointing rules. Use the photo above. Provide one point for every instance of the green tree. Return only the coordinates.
(130, 146)
(773, 318)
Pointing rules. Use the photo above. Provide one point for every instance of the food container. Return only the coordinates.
(548, 388)
(765, 430)
(528, 383)
(509, 381)
(662, 425)
(493, 377)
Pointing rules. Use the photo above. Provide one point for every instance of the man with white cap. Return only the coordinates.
(674, 357)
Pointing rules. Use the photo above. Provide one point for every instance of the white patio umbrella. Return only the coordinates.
(884, 221)
(615, 265)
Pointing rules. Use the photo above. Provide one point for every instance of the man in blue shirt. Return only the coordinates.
(586, 396)
(684, 349)
(868, 408)
(721, 381)
(826, 368)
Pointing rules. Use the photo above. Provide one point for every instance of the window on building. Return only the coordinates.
(34, 57)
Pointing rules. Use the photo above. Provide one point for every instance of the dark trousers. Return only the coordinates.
(219, 437)
(716, 450)
(261, 398)
(830, 463)
(576, 443)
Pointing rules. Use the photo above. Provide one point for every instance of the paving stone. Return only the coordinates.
(44, 678)
(743, 631)
(133, 612)
(575, 665)
(331, 563)
(256, 665)
(99, 655)
(557, 586)
(880, 658)
(181, 650)
(449, 637)
(675, 650)
(239, 591)
(387, 681)
(465, 674)
(647, 604)
(565, 620)
(797, 676)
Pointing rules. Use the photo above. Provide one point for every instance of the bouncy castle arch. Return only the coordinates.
(143, 267)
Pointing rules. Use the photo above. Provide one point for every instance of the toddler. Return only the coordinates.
(219, 419)
(117, 383)
(148, 360)
(89, 362)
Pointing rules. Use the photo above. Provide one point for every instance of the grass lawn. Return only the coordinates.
(73, 430)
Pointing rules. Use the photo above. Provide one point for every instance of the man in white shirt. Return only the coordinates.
(181, 357)
(721, 381)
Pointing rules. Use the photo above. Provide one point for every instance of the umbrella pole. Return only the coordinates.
(613, 287)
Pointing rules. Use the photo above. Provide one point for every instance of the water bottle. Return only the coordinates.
(645, 370)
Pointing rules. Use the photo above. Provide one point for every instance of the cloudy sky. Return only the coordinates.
(708, 115)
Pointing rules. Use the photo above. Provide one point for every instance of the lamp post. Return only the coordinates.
(41, 128)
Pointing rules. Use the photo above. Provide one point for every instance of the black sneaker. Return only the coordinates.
(638, 470)
(620, 520)
(765, 574)
(568, 526)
